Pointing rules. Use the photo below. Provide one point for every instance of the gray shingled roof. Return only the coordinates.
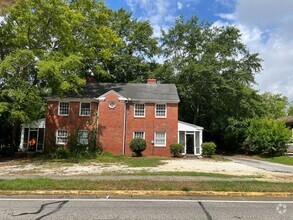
(143, 92)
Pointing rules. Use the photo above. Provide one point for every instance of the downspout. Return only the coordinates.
(124, 125)
(124, 128)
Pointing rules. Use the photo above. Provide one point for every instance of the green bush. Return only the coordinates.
(176, 149)
(208, 148)
(61, 153)
(267, 137)
(137, 146)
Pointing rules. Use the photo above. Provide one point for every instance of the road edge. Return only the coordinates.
(147, 193)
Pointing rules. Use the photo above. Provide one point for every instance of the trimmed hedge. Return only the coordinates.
(208, 148)
(137, 146)
(176, 149)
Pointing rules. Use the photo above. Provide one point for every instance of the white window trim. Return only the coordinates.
(165, 110)
(57, 136)
(59, 109)
(78, 140)
(160, 145)
(139, 116)
(139, 131)
(80, 109)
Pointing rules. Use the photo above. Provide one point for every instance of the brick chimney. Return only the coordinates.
(152, 81)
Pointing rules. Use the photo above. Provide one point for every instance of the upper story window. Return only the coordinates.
(83, 137)
(138, 134)
(160, 139)
(139, 110)
(161, 110)
(85, 109)
(63, 108)
(61, 137)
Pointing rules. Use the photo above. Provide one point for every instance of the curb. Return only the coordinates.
(148, 193)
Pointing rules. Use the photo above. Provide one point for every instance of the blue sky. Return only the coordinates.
(266, 27)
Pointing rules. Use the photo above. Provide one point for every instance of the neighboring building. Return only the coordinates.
(121, 112)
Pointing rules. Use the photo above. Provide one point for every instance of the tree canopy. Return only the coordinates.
(49, 47)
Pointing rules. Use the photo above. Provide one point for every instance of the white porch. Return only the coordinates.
(190, 136)
(36, 131)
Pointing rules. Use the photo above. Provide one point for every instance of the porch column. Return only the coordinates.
(21, 139)
(200, 142)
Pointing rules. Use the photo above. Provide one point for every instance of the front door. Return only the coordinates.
(189, 143)
(33, 139)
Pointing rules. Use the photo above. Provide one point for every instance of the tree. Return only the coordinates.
(290, 110)
(47, 47)
(267, 137)
(134, 58)
(214, 73)
(274, 105)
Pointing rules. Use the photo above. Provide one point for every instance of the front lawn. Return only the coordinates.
(282, 159)
(104, 157)
(72, 184)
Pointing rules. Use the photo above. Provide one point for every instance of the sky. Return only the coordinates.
(266, 27)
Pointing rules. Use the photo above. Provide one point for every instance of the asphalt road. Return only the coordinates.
(143, 209)
(273, 167)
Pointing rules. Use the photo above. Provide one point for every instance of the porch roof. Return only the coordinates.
(40, 123)
(184, 126)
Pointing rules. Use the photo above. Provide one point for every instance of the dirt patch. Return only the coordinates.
(47, 169)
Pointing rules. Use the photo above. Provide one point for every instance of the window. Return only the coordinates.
(138, 134)
(61, 137)
(63, 108)
(139, 110)
(83, 137)
(161, 110)
(85, 109)
(160, 139)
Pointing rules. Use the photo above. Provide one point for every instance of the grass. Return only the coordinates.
(104, 157)
(71, 184)
(182, 173)
(282, 159)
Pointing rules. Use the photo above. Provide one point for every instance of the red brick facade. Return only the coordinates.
(116, 124)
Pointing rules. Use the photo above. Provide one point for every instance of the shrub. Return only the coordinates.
(208, 148)
(267, 137)
(137, 146)
(176, 149)
(61, 153)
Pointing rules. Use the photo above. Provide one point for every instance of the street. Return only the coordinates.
(38, 208)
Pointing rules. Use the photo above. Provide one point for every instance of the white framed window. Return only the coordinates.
(61, 137)
(138, 134)
(63, 108)
(139, 110)
(85, 109)
(83, 137)
(160, 139)
(161, 110)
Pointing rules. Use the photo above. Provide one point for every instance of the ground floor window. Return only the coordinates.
(83, 137)
(61, 137)
(160, 139)
(138, 134)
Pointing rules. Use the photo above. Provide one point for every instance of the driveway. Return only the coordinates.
(264, 165)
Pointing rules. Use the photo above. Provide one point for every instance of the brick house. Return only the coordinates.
(119, 112)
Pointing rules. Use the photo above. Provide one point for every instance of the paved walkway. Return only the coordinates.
(264, 165)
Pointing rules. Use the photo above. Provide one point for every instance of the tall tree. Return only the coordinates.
(134, 58)
(48, 47)
(214, 72)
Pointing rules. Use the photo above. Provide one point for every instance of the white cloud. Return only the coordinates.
(179, 5)
(267, 29)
